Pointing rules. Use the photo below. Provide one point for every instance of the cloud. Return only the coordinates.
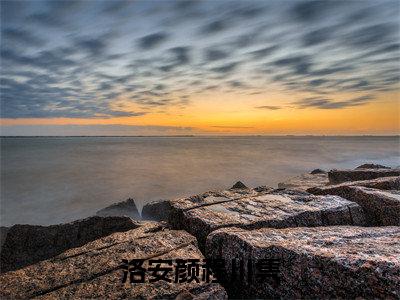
(152, 40)
(232, 127)
(333, 70)
(324, 103)
(269, 107)
(116, 6)
(45, 59)
(300, 64)
(261, 53)
(214, 27)
(317, 82)
(213, 54)
(226, 68)
(22, 36)
(181, 55)
(318, 36)
(309, 11)
(373, 35)
(65, 58)
(94, 46)
(237, 84)
(46, 20)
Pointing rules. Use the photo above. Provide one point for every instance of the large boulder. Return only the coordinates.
(3, 234)
(382, 183)
(96, 270)
(318, 171)
(125, 208)
(305, 181)
(380, 207)
(339, 176)
(27, 244)
(339, 262)
(239, 185)
(202, 214)
(156, 210)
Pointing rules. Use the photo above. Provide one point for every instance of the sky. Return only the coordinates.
(200, 67)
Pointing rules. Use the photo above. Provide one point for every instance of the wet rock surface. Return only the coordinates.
(305, 181)
(339, 176)
(239, 185)
(125, 208)
(156, 210)
(202, 214)
(381, 208)
(372, 166)
(27, 244)
(83, 259)
(94, 270)
(318, 171)
(323, 262)
(383, 183)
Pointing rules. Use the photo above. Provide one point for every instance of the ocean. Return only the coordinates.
(50, 180)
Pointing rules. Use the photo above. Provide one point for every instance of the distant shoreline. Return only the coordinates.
(200, 136)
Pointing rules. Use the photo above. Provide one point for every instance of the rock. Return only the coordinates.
(239, 185)
(339, 176)
(157, 210)
(263, 188)
(28, 244)
(339, 262)
(202, 214)
(380, 207)
(318, 171)
(125, 208)
(305, 181)
(95, 269)
(372, 166)
(382, 183)
(3, 234)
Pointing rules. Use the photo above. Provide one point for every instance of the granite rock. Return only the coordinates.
(95, 269)
(27, 244)
(339, 176)
(202, 214)
(339, 262)
(305, 181)
(380, 207)
(382, 183)
(239, 185)
(156, 210)
(3, 234)
(372, 166)
(318, 171)
(125, 208)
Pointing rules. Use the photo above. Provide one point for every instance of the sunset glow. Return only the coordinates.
(210, 67)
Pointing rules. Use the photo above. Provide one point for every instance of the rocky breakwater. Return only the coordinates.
(342, 262)
(379, 198)
(97, 270)
(27, 244)
(252, 209)
(310, 226)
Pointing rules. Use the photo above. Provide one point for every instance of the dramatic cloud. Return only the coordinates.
(323, 103)
(152, 40)
(102, 59)
(214, 27)
(226, 68)
(215, 54)
(22, 36)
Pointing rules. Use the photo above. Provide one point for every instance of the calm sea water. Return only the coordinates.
(53, 180)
